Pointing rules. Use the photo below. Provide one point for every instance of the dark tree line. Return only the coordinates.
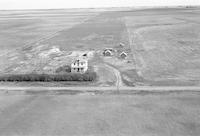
(88, 76)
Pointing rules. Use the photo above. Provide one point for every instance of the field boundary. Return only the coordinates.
(111, 88)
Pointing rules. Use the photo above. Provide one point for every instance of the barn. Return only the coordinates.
(108, 52)
(123, 55)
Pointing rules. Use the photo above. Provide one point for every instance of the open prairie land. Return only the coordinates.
(166, 46)
(163, 49)
(21, 34)
(162, 44)
(142, 114)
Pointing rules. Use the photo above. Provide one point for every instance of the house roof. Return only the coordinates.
(107, 51)
(79, 60)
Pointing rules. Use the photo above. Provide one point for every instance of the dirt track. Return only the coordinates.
(84, 89)
(117, 74)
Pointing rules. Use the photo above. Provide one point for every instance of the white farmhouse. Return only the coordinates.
(80, 65)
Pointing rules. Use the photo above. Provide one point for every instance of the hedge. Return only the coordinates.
(89, 76)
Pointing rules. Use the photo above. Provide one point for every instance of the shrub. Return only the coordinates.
(89, 76)
(63, 69)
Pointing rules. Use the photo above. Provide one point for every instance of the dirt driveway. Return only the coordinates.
(108, 75)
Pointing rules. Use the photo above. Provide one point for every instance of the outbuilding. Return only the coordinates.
(123, 55)
(107, 53)
(121, 45)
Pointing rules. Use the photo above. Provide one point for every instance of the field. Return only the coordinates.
(135, 96)
(162, 44)
(166, 47)
(22, 32)
(142, 114)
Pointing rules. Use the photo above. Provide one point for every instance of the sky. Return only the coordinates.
(51, 4)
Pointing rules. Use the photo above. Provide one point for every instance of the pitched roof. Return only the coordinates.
(123, 53)
(79, 60)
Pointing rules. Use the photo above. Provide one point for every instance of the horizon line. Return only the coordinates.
(142, 7)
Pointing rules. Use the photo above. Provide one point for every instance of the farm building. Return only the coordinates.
(121, 44)
(108, 52)
(79, 66)
(123, 55)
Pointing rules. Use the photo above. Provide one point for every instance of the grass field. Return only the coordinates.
(20, 28)
(166, 47)
(143, 114)
(162, 44)
(23, 31)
